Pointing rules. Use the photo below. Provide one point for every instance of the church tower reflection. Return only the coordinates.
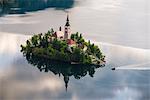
(66, 80)
(63, 69)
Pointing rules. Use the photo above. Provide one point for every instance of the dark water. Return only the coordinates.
(23, 6)
(119, 27)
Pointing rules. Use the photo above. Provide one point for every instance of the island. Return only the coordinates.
(63, 46)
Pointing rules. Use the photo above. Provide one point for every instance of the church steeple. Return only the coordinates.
(66, 80)
(67, 31)
(67, 17)
(67, 21)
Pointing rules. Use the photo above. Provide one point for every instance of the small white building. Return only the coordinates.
(60, 35)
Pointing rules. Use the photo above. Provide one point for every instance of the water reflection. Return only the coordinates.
(62, 68)
(29, 83)
(23, 6)
(121, 25)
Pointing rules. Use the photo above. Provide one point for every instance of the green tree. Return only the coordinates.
(34, 40)
(76, 55)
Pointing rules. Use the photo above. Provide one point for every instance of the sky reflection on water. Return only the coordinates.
(118, 27)
(106, 84)
(126, 25)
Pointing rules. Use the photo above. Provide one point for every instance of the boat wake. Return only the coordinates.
(142, 66)
(132, 58)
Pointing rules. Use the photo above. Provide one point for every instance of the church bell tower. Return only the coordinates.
(67, 31)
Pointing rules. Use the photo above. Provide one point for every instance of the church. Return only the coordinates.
(66, 34)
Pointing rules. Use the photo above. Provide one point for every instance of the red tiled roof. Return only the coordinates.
(70, 42)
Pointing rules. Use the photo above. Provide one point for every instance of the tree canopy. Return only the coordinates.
(47, 46)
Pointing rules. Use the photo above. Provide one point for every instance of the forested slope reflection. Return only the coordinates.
(23, 6)
(62, 68)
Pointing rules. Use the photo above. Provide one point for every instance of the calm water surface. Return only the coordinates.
(119, 27)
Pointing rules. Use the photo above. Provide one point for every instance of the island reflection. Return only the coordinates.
(62, 68)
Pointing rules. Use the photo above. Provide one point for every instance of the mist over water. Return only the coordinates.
(119, 27)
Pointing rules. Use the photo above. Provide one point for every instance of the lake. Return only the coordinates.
(119, 27)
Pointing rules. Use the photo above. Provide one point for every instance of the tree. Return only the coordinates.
(52, 31)
(34, 40)
(49, 33)
(28, 43)
(73, 36)
(76, 55)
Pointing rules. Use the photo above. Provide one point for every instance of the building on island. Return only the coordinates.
(59, 34)
(71, 43)
(66, 34)
(67, 31)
